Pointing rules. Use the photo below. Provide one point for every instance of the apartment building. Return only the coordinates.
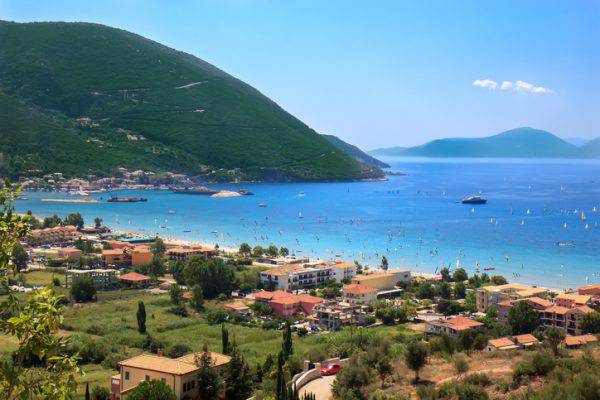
(572, 300)
(185, 253)
(295, 276)
(490, 296)
(286, 304)
(127, 256)
(56, 235)
(180, 374)
(332, 315)
(103, 278)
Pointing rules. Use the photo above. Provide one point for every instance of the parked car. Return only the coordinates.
(331, 369)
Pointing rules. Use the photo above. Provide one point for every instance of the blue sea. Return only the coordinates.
(416, 220)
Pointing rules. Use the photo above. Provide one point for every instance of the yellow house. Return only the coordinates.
(178, 373)
(490, 296)
(382, 281)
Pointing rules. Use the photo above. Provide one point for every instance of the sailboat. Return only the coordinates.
(300, 215)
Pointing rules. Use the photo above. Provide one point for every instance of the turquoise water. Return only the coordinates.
(416, 220)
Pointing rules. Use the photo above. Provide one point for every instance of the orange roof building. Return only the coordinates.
(452, 326)
(591, 290)
(501, 344)
(135, 279)
(359, 294)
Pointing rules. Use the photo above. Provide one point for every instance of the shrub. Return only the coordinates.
(100, 393)
(178, 350)
(179, 310)
(56, 281)
(83, 289)
(479, 379)
(370, 320)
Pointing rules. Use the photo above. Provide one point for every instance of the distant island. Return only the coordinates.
(516, 143)
(87, 99)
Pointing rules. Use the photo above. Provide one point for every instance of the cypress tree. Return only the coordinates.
(141, 317)
(238, 382)
(287, 346)
(224, 339)
(280, 387)
(87, 391)
(208, 378)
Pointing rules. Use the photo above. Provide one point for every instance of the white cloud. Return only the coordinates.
(519, 86)
(486, 83)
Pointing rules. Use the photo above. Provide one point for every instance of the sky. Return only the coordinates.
(384, 73)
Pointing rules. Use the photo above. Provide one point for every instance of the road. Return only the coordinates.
(321, 387)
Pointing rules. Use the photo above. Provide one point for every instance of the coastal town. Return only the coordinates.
(269, 290)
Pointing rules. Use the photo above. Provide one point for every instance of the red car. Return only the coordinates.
(331, 369)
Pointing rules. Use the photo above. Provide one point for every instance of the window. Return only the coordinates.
(164, 380)
(147, 377)
(126, 375)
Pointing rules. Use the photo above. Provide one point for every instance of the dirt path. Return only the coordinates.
(491, 371)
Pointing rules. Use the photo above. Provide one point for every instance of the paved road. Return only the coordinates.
(320, 387)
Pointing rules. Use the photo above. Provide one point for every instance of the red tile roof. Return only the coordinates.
(501, 342)
(579, 340)
(358, 289)
(526, 339)
(134, 277)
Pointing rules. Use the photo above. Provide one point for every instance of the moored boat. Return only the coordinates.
(474, 200)
(115, 199)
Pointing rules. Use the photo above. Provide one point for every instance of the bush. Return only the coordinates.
(541, 364)
(100, 393)
(480, 379)
(83, 289)
(56, 281)
(179, 310)
(370, 320)
(214, 317)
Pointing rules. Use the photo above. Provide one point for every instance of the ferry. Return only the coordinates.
(115, 199)
(194, 190)
(474, 200)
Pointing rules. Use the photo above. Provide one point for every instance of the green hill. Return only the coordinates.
(355, 152)
(590, 149)
(518, 143)
(79, 98)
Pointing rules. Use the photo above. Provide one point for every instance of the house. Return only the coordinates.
(104, 279)
(503, 343)
(131, 256)
(591, 290)
(287, 304)
(140, 255)
(526, 341)
(571, 300)
(359, 294)
(332, 315)
(180, 374)
(576, 341)
(237, 308)
(452, 326)
(383, 281)
(134, 279)
(490, 296)
(69, 253)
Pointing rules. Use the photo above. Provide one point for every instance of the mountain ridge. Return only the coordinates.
(355, 152)
(522, 142)
(123, 100)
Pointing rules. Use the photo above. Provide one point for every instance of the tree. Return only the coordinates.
(287, 345)
(284, 251)
(177, 269)
(280, 389)
(224, 339)
(159, 247)
(208, 378)
(197, 300)
(460, 275)
(213, 275)
(245, 249)
(141, 317)
(175, 292)
(522, 318)
(87, 391)
(83, 289)
(51, 222)
(152, 390)
(272, 250)
(460, 290)
(499, 280)
(238, 381)
(554, 336)
(74, 219)
(445, 273)
(98, 222)
(384, 368)
(425, 290)
(443, 290)
(257, 251)
(100, 393)
(415, 357)
(19, 257)
(461, 365)
(590, 323)
(384, 263)
(449, 307)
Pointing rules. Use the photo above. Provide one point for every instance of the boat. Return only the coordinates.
(187, 230)
(565, 244)
(171, 212)
(489, 268)
(115, 199)
(262, 205)
(582, 216)
(245, 192)
(474, 200)
(194, 190)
